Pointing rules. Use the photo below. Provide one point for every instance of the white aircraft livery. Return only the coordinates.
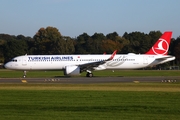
(76, 64)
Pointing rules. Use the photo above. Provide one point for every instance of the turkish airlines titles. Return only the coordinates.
(50, 58)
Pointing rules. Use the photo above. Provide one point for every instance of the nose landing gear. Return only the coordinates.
(24, 76)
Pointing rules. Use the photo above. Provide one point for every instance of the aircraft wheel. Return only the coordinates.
(89, 75)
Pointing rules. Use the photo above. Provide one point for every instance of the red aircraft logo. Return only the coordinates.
(161, 47)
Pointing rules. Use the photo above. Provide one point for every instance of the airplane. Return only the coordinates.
(76, 64)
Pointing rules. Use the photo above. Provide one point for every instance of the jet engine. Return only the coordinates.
(72, 70)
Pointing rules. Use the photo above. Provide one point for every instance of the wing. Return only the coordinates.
(90, 66)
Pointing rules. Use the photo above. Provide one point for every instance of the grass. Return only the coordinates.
(32, 74)
(156, 87)
(107, 101)
(76, 104)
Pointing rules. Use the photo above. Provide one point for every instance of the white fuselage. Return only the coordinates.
(59, 62)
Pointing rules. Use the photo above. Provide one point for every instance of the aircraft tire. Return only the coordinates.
(89, 75)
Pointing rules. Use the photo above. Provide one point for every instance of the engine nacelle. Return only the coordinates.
(72, 70)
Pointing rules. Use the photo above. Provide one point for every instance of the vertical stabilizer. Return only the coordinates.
(161, 47)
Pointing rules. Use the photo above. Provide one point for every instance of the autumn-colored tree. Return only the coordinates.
(109, 46)
(49, 41)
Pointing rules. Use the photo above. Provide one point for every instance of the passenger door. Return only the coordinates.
(24, 60)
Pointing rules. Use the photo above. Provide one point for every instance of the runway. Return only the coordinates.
(85, 80)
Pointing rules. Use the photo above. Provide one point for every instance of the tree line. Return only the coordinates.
(49, 41)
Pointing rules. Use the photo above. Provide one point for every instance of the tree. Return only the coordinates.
(112, 36)
(68, 45)
(96, 43)
(98, 36)
(20, 37)
(7, 37)
(123, 44)
(2, 42)
(155, 35)
(80, 44)
(109, 46)
(176, 49)
(138, 42)
(49, 41)
(13, 48)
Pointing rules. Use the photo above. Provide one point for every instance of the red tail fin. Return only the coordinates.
(162, 45)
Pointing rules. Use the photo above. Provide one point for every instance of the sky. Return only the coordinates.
(75, 17)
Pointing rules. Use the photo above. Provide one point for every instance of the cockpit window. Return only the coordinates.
(14, 60)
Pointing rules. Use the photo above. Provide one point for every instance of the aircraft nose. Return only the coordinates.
(7, 65)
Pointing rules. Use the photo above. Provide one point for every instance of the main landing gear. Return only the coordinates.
(89, 74)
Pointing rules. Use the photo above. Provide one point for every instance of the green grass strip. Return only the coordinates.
(162, 87)
(88, 105)
(104, 73)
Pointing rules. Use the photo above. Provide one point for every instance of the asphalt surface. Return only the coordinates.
(85, 80)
